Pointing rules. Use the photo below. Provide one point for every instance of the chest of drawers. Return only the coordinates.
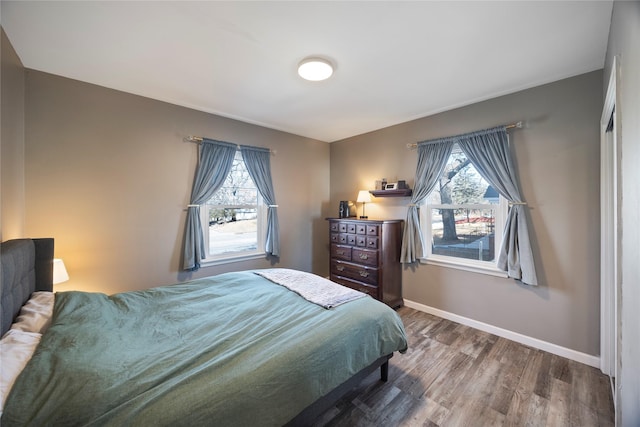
(365, 255)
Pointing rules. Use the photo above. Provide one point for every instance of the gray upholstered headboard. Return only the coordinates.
(26, 266)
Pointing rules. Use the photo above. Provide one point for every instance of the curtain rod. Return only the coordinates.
(199, 139)
(511, 126)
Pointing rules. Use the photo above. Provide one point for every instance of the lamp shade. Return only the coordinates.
(364, 196)
(59, 271)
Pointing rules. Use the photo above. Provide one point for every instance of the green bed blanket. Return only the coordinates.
(234, 349)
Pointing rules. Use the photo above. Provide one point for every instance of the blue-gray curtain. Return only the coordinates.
(432, 158)
(258, 162)
(488, 150)
(216, 159)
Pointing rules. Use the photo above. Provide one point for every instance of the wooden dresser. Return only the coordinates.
(365, 255)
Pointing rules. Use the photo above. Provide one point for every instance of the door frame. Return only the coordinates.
(610, 229)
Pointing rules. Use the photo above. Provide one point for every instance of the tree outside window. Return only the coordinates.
(460, 222)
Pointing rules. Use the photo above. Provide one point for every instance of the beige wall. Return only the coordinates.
(557, 156)
(12, 201)
(109, 176)
(624, 42)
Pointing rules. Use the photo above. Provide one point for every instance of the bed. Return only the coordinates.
(234, 349)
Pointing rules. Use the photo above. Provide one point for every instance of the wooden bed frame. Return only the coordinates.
(312, 412)
(27, 266)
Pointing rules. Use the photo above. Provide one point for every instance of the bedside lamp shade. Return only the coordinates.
(59, 271)
(363, 197)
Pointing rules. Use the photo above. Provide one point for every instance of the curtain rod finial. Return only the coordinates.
(192, 138)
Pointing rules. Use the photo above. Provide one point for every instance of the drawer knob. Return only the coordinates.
(364, 273)
(340, 252)
(340, 268)
(364, 256)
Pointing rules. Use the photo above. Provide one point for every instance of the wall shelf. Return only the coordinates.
(392, 193)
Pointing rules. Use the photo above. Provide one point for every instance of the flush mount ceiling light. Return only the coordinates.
(315, 69)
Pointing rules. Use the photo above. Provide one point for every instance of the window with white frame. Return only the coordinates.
(234, 219)
(463, 218)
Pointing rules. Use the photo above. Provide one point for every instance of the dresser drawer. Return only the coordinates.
(365, 256)
(372, 242)
(366, 241)
(360, 273)
(339, 238)
(341, 252)
(367, 289)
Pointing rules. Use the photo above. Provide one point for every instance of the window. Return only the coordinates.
(463, 218)
(234, 218)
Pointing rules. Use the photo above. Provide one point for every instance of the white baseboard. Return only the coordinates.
(587, 359)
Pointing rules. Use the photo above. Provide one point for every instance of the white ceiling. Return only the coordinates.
(395, 61)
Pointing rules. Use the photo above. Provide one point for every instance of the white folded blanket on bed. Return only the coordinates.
(16, 348)
(19, 343)
(35, 314)
(311, 287)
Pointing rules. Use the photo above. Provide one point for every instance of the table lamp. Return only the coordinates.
(363, 197)
(59, 271)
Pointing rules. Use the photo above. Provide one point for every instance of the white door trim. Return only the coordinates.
(610, 227)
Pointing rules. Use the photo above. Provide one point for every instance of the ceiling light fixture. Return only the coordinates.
(315, 69)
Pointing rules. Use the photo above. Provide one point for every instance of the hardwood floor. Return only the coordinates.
(454, 375)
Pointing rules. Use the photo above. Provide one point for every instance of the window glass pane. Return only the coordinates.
(462, 184)
(464, 233)
(232, 230)
(233, 213)
(463, 208)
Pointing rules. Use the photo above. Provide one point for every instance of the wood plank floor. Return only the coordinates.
(454, 375)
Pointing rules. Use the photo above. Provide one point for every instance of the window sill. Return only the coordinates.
(489, 269)
(210, 262)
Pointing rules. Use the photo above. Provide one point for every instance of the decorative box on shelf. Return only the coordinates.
(406, 192)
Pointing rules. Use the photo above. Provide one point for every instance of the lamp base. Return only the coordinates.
(363, 217)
